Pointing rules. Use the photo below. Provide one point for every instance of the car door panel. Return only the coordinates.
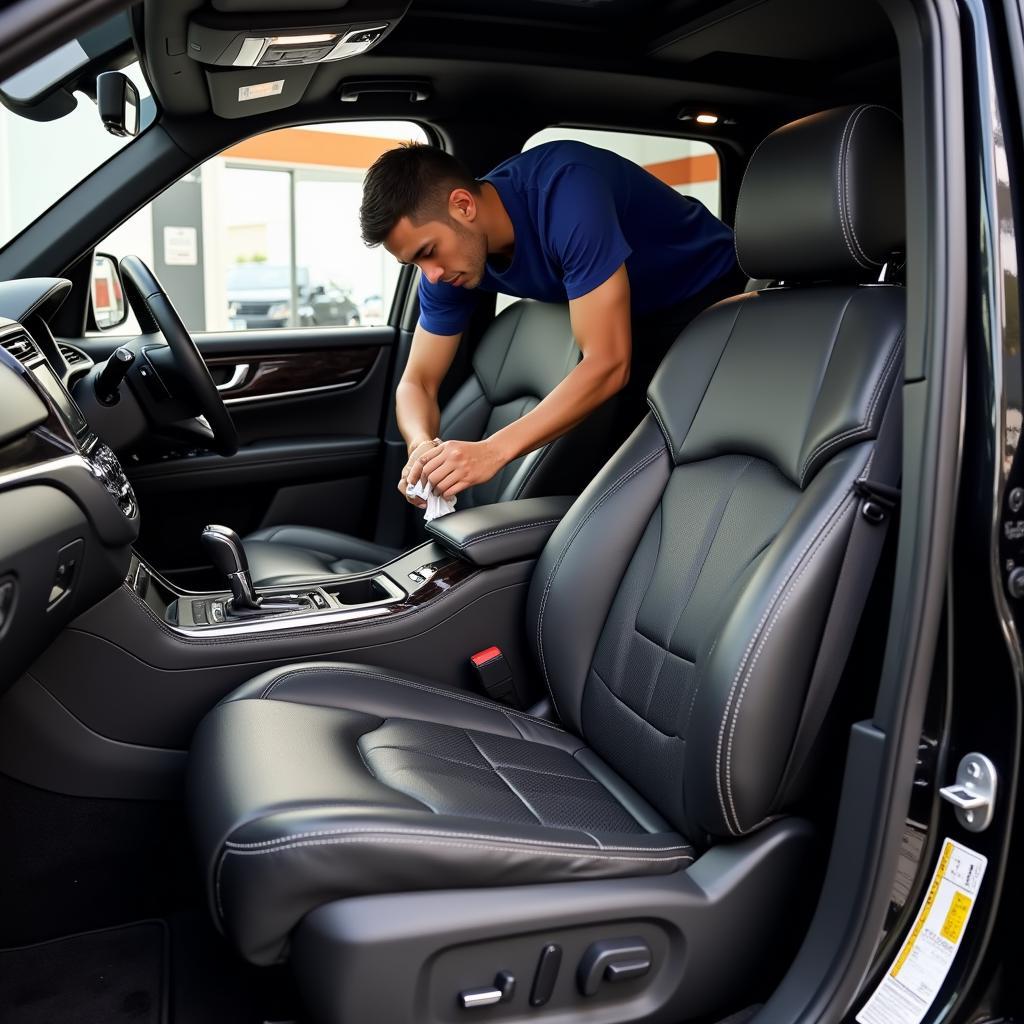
(309, 406)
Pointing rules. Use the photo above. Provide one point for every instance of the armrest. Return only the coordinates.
(506, 532)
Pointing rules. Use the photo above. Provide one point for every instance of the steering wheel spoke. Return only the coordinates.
(185, 377)
(195, 431)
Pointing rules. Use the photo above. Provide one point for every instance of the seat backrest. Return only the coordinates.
(523, 356)
(677, 611)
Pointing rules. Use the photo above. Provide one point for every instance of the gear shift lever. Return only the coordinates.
(228, 555)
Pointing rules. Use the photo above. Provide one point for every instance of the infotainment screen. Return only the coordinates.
(65, 403)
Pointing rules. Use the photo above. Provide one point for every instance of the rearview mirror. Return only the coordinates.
(107, 296)
(118, 102)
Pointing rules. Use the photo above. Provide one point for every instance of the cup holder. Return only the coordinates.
(360, 592)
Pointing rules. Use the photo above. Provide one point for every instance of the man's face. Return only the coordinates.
(447, 251)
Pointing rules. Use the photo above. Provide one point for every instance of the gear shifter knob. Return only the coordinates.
(227, 554)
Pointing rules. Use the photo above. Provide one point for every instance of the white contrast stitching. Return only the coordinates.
(839, 187)
(408, 682)
(760, 647)
(746, 654)
(514, 840)
(846, 185)
(664, 429)
(637, 468)
(508, 529)
(876, 394)
(589, 853)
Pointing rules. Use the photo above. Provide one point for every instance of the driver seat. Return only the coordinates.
(415, 850)
(524, 355)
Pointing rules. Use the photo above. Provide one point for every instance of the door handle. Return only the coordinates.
(238, 375)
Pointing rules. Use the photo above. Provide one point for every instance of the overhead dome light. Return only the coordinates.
(322, 37)
(703, 117)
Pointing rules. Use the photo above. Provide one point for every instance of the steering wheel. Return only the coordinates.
(192, 383)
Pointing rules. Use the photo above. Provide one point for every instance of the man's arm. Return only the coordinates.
(601, 326)
(416, 408)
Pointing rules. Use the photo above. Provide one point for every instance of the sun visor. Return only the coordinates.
(247, 34)
(247, 91)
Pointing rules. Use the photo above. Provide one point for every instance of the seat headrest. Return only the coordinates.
(822, 198)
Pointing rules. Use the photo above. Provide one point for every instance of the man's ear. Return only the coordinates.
(462, 205)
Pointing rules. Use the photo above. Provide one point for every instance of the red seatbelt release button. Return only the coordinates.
(482, 657)
(494, 673)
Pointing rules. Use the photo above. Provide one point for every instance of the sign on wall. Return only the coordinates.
(181, 246)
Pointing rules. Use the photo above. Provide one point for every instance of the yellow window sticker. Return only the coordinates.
(909, 987)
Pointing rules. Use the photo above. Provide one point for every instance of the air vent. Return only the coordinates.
(21, 347)
(72, 356)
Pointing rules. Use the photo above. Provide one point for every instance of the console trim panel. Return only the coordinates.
(161, 595)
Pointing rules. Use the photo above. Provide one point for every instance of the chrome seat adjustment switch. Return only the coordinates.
(974, 792)
(501, 991)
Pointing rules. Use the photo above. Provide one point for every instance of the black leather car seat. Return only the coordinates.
(523, 356)
(403, 839)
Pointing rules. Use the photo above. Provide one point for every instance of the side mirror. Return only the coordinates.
(106, 294)
(118, 102)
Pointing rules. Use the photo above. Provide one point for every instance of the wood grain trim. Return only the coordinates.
(280, 373)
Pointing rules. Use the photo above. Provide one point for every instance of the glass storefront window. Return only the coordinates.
(266, 234)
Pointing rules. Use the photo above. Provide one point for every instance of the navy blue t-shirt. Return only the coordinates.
(579, 213)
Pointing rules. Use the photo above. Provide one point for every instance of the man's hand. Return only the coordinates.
(457, 465)
(416, 399)
(413, 469)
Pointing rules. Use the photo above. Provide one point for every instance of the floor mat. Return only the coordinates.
(212, 984)
(113, 976)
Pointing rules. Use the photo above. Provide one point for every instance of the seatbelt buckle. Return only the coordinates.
(495, 675)
(879, 499)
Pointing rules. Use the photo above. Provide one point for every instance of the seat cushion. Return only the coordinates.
(282, 554)
(322, 781)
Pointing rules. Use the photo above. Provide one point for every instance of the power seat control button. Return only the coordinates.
(612, 960)
(547, 974)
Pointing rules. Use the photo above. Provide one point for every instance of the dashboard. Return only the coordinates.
(68, 515)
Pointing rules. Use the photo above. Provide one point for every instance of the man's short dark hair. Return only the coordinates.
(412, 181)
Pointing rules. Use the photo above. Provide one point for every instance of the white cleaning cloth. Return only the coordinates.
(436, 505)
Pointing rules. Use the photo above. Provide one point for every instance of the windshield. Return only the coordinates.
(40, 161)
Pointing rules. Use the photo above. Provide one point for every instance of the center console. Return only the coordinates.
(410, 581)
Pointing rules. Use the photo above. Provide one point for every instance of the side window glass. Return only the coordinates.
(266, 234)
(688, 165)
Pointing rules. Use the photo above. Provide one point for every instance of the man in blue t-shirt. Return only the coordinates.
(564, 221)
